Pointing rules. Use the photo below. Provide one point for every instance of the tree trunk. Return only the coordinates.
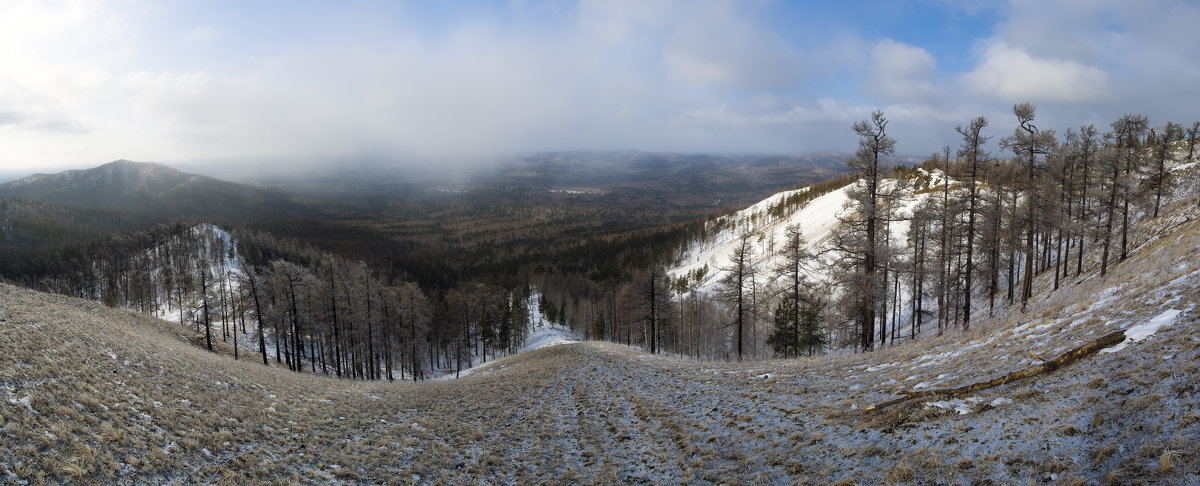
(1046, 367)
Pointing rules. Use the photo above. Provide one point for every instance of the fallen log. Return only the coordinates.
(1046, 367)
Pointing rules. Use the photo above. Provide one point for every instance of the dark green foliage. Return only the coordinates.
(812, 340)
(785, 340)
(797, 331)
(28, 226)
(597, 331)
(504, 338)
(487, 330)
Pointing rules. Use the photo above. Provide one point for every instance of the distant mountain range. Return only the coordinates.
(688, 179)
(153, 190)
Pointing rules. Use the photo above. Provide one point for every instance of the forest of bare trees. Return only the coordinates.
(290, 304)
(1001, 228)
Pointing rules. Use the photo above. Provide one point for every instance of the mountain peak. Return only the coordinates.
(148, 188)
(129, 163)
(124, 164)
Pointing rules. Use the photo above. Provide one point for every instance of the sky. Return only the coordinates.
(445, 82)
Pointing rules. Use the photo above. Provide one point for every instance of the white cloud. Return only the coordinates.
(1011, 73)
(716, 47)
(901, 72)
(709, 43)
(617, 75)
(85, 83)
(204, 33)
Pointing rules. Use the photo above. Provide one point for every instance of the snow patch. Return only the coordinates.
(547, 336)
(1142, 331)
(882, 366)
(1000, 401)
(23, 401)
(963, 406)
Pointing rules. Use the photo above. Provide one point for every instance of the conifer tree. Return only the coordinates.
(811, 339)
(785, 338)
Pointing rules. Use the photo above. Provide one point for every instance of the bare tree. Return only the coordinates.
(971, 151)
(414, 310)
(1126, 133)
(1191, 138)
(873, 143)
(655, 301)
(1086, 150)
(944, 244)
(252, 279)
(202, 268)
(1164, 145)
(1028, 142)
(738, 275)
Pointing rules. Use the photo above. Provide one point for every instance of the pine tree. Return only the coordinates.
(487, 333)
(504, 337)
(811, 339)
(598, 327)
(791, 270)
(785, 338)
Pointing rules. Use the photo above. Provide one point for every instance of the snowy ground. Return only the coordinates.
(542, 337)
(546, 336)
(817, 220)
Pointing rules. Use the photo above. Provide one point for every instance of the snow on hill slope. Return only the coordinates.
(90, 394)
(542, 333)
(224, 269)
(817, 220)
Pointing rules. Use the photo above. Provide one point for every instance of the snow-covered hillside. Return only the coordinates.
(541, 332)
(817, 219)
(224, 272)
